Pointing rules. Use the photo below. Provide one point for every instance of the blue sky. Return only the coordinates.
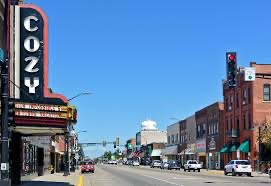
(148, 59)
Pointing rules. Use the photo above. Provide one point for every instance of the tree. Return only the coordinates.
(266, 134)
(107, 155)
(117, 154)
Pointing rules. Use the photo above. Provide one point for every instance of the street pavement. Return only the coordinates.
(120, 175)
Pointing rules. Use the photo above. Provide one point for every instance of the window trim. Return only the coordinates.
(266, 86)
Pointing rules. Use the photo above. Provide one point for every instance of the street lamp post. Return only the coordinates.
(67, 139)
(76, 148)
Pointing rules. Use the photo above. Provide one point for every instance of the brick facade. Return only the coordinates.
(245, 109)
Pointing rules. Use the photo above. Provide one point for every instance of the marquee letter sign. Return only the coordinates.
(34, 57)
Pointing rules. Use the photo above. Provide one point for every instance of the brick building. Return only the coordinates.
(246, 108)
(210, 135)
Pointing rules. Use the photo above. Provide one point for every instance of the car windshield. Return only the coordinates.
(242, 162)
(192, 162)
(156, 161)
(88, 163)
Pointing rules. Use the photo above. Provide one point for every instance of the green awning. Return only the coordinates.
(233, 148)
(244, 147)
(224, 150)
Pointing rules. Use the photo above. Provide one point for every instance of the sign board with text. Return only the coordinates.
(250, 73)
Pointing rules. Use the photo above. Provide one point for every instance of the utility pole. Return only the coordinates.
(4, 100)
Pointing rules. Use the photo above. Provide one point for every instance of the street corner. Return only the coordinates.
(81, 181)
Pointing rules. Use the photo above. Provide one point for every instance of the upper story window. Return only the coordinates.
(231, 102)
(177, 138)
(244, 121)
(237, 100)
(227, 104)
(244, 96)
(172, 139)
(266, 92)
(249, 95)
(168, 139)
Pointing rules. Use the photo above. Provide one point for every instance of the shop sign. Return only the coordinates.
(201, 146)
(41, 114)
(45, 107)
(212, 144)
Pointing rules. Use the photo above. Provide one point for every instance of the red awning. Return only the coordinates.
(137, 155)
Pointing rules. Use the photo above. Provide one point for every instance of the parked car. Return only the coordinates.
(164, 165)
(173, 164)
(156, 163)
(269, 172)
(114, 162)
(239, 167)
(145, 162)
(87, 166)
(192, 165)
(135, 163)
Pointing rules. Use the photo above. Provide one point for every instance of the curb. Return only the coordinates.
(81, 183)
(215, 172)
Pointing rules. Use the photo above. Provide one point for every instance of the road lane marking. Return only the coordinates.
(81, 183)
(162, 180)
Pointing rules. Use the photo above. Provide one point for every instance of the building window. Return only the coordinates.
(172, 139)
(209, 130)
(231, 124)
(198, 130)
(177, 139)
(244, 96)
(237, 100)
(266, 92)
(168, 139)
(244, 119)
(249, 95)
(238, 125)
(227, 124)
(249, 121)
(204, 129)
(227, 105)
(231, 102)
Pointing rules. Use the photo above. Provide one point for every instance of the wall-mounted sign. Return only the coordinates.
(32, 27)
(41, 114)
(33, 61)
(201, 145)
(250, 73)
(212, 144)
(45, 107)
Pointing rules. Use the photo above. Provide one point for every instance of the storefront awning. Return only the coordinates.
(224, 150)
(233, 148)
(244, 147)
(156, 152)
(171, 150)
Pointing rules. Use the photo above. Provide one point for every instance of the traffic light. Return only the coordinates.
(114, 144)
(117, 141)
(11, 113)
(104, 143)
(231, 68)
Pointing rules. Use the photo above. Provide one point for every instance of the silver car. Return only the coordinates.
(164, 165)
(156, 163)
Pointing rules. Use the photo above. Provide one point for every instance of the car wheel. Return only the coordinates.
(188, 169)
(184, 170)
(249, 174)
(225, 172)
(82, 172)
(194, 170)
(233, 172)
(198, 170)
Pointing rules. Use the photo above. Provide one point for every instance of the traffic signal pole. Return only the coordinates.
(4, 101)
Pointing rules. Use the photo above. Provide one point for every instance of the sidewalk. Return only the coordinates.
(56, 179)
(221, 172)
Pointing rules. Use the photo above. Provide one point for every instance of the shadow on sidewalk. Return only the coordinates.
(44, 183)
